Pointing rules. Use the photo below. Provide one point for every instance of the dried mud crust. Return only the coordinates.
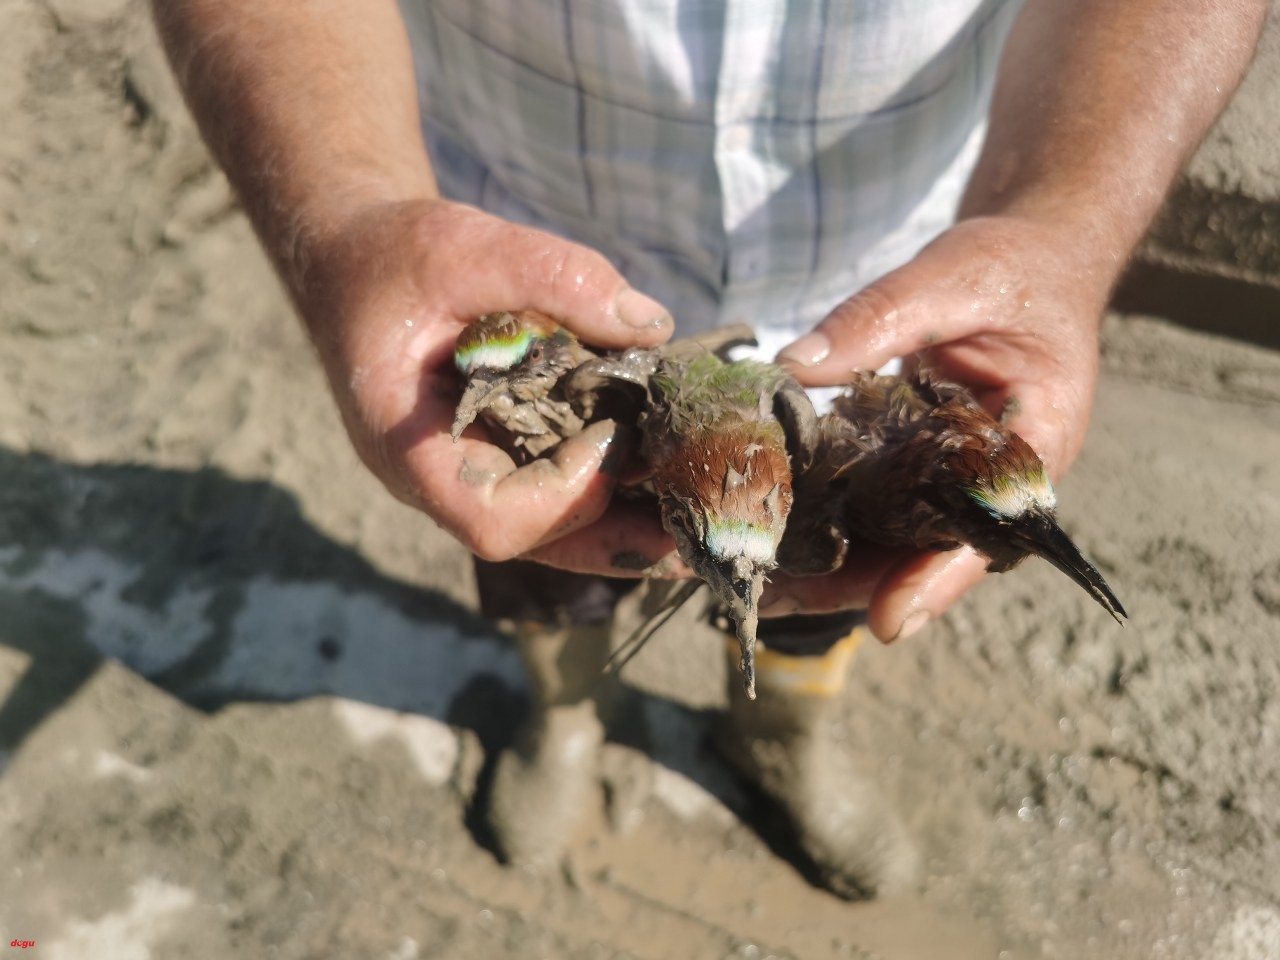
(280, 756)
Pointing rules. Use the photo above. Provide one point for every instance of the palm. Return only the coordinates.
(387, 302)
(995, 304)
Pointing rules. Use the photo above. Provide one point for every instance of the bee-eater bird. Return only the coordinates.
(919, 463)
(713, 437)
(720, 439)
(513, 364)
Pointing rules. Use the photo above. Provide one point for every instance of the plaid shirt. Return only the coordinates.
(739, 160)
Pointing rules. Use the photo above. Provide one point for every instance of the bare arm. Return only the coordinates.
(311, 108)
(1097, 106)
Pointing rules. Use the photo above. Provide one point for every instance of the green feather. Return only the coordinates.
(706, 389)
(1006, 497)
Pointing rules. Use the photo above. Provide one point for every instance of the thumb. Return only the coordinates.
(884, 320)
(970, 279)
(507, 266)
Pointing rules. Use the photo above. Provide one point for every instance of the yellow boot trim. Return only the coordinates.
(822, 675)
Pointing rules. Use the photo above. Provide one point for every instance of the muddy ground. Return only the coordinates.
(244, 699)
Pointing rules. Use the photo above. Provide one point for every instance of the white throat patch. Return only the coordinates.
(493, 355)
(1010, 497)
(727, 539)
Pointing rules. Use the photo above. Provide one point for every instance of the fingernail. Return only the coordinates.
(913, 624)
(636, 310)
(809, 351)
(617, 447)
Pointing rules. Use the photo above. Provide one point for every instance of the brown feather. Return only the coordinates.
(920, 463)
(697, 467)
(505, 325)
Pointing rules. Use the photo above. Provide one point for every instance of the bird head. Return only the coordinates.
(518, 356)
(1005, 479)
(1013, 514)
(725, 498)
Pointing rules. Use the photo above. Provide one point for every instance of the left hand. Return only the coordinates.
(1007, 306)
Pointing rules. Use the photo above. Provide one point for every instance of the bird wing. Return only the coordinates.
(794, 410)
(718, 341)
(622, 379)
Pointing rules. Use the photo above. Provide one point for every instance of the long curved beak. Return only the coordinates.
(1045, 538)
(481, 391)
(739, 588)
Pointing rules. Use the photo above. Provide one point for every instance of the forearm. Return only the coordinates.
(1098, 105)
(310, 108)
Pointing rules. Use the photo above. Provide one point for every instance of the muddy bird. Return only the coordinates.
(921, 464)
(513, 364)
(719, 438)
(723, 476)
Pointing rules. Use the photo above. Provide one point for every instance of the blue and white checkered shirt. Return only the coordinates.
(739, 160)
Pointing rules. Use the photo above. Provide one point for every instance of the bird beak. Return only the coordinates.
(481, 391)
(738, 584)
(1045, 538)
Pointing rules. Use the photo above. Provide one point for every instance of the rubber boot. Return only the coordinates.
(784, 742)
(541, 785)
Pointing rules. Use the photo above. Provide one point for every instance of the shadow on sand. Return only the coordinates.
(220, 591)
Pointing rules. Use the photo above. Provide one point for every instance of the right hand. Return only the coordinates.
(384, 298)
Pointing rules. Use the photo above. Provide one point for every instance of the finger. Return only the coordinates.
(920, 589)
(515, 267)
(628, 541)
(863, 333)
(500, 512)
(849, 588)
(937, 297)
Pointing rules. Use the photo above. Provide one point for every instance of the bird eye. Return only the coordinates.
(535, 353)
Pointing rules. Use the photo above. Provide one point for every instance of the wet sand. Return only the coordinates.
(245, 700)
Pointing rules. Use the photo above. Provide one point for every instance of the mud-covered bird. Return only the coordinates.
(720, 438)
(513, 364)
(918, 462)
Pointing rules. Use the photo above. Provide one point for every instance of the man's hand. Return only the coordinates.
(996, 303)
(312, 110)
(385, 298)
(1096, 107)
